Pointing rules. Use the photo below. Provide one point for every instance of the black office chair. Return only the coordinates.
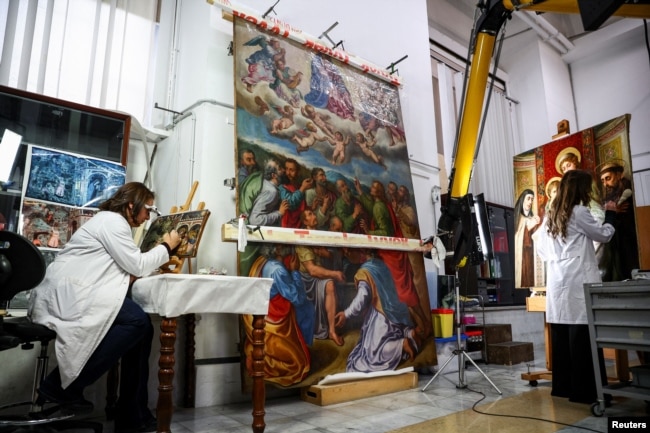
(22, 268)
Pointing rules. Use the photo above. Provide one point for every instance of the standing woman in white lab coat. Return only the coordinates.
(83, 297)
(565, 243)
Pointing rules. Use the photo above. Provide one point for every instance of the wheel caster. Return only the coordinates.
(532, 383)
(597, 409)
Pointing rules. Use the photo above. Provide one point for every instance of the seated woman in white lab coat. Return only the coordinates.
(83, 297)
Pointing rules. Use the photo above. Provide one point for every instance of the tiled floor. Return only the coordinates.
(442, 398)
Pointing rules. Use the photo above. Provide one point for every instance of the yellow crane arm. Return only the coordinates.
(494, 14)
(619, 8)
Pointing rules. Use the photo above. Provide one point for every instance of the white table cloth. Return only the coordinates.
(172, 295)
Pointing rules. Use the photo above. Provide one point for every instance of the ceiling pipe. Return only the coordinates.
(554, 32)
(546, 31)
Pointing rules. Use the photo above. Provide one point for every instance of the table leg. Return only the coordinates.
(166, 363)
(190, 366)
(259, 392)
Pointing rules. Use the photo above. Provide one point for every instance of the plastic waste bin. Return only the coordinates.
(443, 322)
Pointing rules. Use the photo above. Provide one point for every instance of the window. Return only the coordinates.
(92, 52)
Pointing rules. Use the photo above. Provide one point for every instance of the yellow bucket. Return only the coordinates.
(443, 322)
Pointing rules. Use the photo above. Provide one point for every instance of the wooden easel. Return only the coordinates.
(538, 304)
(175, 264)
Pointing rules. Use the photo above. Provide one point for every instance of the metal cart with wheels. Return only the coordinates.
(618, 315)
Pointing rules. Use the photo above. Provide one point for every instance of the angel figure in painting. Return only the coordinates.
(286, 82)
(370, 124)
(261, 64)
(551, 191)
(283, 122)
(320, 120)
(60, 189)
(307, 137)
(339, 142)
(366, 145)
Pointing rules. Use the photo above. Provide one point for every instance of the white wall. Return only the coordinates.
(530, 65)
(557, 90)
(614, 80)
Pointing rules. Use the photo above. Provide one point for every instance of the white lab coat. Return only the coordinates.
(570, 264)
(84, 288)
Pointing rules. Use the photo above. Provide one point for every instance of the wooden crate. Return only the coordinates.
(324, 395)
(536, 303)
(510, 353)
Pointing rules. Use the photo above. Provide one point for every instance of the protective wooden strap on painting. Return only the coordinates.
(283, 235)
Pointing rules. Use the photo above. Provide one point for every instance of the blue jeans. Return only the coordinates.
(129, 339)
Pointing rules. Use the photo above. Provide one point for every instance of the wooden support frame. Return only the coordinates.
(283, 235)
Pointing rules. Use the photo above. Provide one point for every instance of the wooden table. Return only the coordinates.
(172, 295)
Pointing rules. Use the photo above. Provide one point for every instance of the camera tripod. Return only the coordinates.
(459, 352)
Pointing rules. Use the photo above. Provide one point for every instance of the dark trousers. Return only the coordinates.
(129, 339)
(573, 366)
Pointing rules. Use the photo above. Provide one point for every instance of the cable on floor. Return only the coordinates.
(523, 417)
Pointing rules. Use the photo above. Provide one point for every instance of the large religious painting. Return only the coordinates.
(604, 151)
(321, 148)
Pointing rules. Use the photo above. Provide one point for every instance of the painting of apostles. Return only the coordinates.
(366, 309)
